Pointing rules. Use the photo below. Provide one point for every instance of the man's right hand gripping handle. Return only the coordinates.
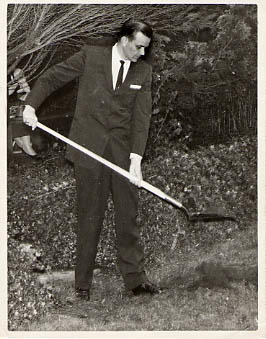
(29, 116)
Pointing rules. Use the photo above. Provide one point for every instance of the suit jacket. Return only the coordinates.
(103, 116)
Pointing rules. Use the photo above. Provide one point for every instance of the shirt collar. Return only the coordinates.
(116, 56)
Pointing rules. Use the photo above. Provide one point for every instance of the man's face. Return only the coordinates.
(133, 49)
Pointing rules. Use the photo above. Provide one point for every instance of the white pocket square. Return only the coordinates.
(135, 86)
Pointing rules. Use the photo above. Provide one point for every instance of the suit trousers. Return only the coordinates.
(93, 188)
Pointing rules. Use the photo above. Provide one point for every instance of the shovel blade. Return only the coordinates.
(205, 216)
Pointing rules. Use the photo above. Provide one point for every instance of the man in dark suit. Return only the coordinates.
(112, 119)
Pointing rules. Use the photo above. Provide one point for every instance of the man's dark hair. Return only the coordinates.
(131, 26)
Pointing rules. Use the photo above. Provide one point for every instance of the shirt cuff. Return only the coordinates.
(135, 156)
(30, 109)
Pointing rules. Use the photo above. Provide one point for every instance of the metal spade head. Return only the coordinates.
(209, 216)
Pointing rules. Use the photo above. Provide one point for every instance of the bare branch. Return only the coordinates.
(32, 29)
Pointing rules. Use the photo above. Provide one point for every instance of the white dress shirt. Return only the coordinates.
(116, 65)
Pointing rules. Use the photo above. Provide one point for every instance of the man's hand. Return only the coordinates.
(135, 169)
(29, 117)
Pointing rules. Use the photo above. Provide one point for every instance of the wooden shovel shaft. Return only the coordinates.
(109, 164)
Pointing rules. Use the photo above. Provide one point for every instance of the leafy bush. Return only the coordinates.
(208, 85)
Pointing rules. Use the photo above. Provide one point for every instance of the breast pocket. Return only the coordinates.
(128, 96)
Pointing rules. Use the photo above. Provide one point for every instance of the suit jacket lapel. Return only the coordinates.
(108, 70)
(130, 74)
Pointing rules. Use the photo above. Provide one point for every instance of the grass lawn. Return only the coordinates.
(177, 309)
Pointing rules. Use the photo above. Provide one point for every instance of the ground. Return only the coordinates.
(41, 240)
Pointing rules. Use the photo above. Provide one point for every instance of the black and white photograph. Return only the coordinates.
(133, 169)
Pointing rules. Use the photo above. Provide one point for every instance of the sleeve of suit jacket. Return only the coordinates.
(56, 77)
(142, 116)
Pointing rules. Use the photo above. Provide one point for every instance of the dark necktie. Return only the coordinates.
(120, 75)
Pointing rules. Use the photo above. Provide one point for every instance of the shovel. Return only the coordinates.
(198, 216)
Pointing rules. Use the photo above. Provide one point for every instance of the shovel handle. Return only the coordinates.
(86, 151)
(160, 194)
(109, 164)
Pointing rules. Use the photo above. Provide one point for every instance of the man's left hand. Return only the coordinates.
(135, 169)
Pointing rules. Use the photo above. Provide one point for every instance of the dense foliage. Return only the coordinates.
(205, 81)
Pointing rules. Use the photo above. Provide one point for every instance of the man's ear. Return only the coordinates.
(124, 40)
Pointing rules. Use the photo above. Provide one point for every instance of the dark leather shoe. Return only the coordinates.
(146, 287)
(36, 157)
(82, 294)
